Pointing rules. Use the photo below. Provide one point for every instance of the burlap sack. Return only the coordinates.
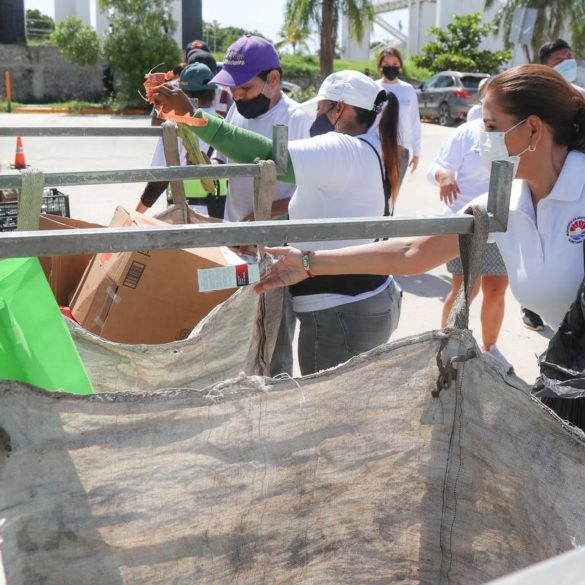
(366, 473)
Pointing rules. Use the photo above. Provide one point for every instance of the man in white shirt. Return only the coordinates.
(251, 69)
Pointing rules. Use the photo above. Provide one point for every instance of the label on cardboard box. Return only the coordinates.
(211, 279)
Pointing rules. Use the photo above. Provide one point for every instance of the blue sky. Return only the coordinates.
(265, 16)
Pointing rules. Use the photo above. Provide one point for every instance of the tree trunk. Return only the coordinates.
(328, 41)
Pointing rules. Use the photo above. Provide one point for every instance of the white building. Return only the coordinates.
(422, 15)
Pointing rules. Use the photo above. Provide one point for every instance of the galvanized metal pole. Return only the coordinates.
(280, 147)
(14, 181)
(501, 177)
(93, 240)
(86, 131)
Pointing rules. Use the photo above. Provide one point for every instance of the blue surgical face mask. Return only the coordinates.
(492, 146)
(568, 69)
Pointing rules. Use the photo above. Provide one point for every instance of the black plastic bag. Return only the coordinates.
(561, 384)
(215, 205)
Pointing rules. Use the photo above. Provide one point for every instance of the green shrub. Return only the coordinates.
(457, 47)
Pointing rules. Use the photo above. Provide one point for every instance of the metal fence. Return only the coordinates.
(28, 242)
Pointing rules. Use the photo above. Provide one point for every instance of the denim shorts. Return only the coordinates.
(332, 336)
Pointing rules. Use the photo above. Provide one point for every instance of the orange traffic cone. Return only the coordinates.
(19, 162)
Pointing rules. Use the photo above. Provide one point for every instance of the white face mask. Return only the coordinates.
(492, 146)
(568, 69)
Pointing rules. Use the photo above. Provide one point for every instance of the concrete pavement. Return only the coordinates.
(423, 295)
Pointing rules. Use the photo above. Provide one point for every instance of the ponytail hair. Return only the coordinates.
(391, 150)
(388, 134)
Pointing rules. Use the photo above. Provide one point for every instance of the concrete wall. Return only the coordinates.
(41, 74)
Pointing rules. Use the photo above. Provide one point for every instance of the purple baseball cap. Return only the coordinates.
(244, 59)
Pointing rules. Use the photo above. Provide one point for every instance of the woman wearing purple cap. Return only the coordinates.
(346, 169)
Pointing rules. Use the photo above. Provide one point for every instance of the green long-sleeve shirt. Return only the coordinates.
(242, 146)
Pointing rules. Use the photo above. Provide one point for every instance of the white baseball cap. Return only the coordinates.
(351, 87)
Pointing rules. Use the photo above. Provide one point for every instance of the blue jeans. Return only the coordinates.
(332, 336)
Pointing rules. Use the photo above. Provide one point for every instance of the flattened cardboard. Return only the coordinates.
(148, 296)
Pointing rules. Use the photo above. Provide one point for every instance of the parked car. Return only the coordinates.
(449, 95)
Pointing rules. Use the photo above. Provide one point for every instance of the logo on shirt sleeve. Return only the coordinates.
(576, 230)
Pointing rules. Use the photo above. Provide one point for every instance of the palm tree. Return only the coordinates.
(552, 17)
(295, 35)
(325, 14)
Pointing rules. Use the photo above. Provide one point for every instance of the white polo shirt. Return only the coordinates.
(240, 197)
(543, 251)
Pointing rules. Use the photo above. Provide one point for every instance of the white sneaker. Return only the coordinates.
(497, 355)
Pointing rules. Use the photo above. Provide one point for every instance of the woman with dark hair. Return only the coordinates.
(391, 66)
(536, 119)
(346, 169)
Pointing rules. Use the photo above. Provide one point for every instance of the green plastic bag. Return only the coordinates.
(35, 344)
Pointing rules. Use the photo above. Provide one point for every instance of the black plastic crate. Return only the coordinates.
(54, 202)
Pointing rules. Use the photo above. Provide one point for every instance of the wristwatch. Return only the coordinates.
(306, 259)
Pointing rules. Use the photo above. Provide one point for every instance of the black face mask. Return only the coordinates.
(322, 124)
(254, 107)
(391, 72)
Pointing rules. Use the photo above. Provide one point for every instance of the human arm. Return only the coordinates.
(395, 256)
(413, 164)
(444, 169)
(448, 188)
(151, 193)
(235, 143)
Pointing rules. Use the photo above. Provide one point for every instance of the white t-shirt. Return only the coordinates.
(543, 251)
(460, 155)
(240, 197)
(409, 126)
(337, 176)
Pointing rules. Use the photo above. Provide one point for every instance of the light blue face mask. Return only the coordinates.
(568, 69)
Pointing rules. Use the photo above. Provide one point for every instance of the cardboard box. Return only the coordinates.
(149, 296)
(64, 272)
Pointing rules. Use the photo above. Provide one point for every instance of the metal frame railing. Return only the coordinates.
(28, 242)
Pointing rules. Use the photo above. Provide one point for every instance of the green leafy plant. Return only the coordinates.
(325, 15)
(38, 25)
(457, 48)
(294, 35)
(140, 38)
(78, 42)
